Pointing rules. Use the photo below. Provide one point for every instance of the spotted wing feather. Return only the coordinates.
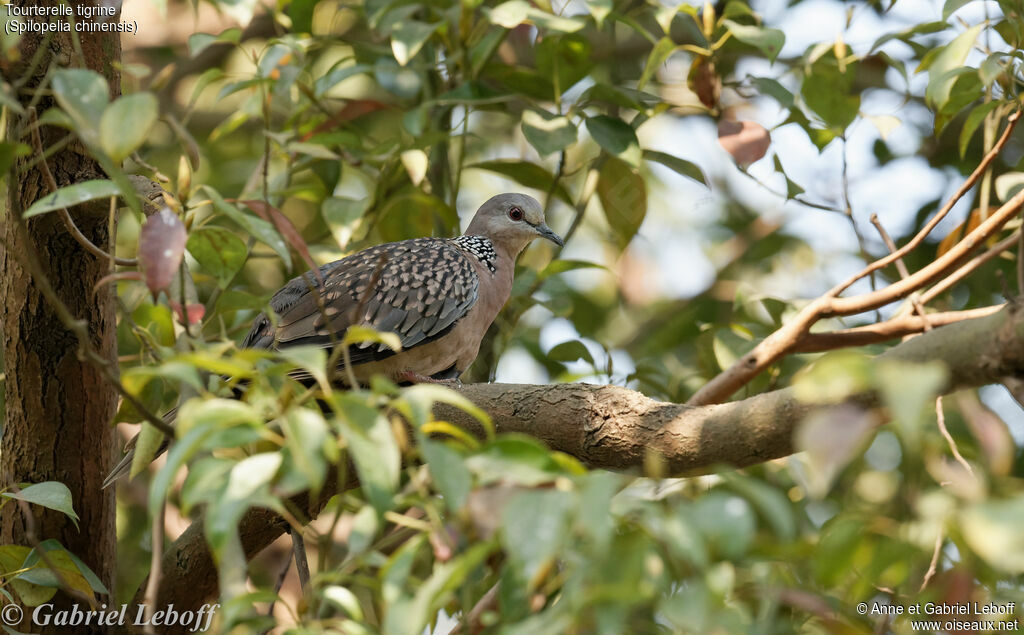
(424, 287)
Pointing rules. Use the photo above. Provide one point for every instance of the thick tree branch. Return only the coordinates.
(615, 428)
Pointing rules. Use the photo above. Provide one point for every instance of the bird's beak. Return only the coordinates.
(546, 232)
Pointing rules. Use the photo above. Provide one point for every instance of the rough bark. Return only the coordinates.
(58, 409)
(614, 428)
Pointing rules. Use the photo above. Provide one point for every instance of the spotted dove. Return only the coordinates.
(439, 295)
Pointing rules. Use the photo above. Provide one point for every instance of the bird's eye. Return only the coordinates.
(515, 213)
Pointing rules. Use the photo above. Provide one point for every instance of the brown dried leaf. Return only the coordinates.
(287, 230)
(704, 81)
(972, 221)
(161, 248)
(746, 141)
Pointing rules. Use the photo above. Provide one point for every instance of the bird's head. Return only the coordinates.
(511, 221)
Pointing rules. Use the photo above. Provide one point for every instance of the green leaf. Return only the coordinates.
(9, 153)
(563, 60)
(510, 14)
(345, 600)
(409, 38)
(73, 195)
(767, 500)
(534, 530)
(515, 12)
(833, 377)
(616, 137)
(126, 124)
(311, 359)
(547, 132)
(147, 445)
(991, 68)
(94, 581)
(49, 494)
(365, 526)
(663, 50)
(372, 446)
(248, 486)
(623, 195)
(792, 188)
(198, 42)
(831, 439)
(180, 452)
(12, 558)
(414, 615)
(829, 91)
(427, 394)
(950, 7)
(241, 10)
(306, 435)
(514, 458)
(1008, 185)
(774, 89)
(726, 521)
(83, 94)
(770, 41)
(525, 173)
(343, 216)
(259, 228)
(413, 215)
(64, 562)
(908, 390)
(219, 252)
(946, 66)
(570, 351)
(600, 9)
(906, 34)
(216, 414)
(207, 478)
(451, 476)
(971, 123)
(992, 530)
(337, 75)
(680, 166)
(556, 267)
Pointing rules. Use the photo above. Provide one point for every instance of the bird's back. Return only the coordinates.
(416, 288)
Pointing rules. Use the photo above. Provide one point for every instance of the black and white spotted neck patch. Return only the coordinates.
(479, 247)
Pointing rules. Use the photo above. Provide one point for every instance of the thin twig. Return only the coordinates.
(471, 621)
(797, 199)
(155, 572)
(901, 268)
(1020, 258)
(784, 339)
(970, 266)
(848, 212)
(65, 216)
(933, 566)
(940, 417)
(930, 225)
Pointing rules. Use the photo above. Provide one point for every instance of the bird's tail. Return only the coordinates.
(125, 464)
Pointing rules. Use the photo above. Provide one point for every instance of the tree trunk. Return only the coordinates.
(58, 408)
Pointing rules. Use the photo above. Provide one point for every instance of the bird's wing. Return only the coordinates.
(423, 288)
